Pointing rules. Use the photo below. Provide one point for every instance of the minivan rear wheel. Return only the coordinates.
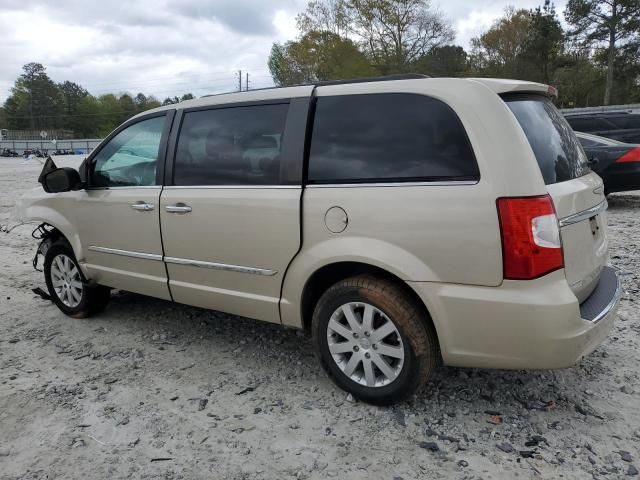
(373, 340)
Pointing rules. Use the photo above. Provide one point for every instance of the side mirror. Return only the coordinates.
(61, 180)
(84, 172)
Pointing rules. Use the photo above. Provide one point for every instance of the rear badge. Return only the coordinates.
(598, 190)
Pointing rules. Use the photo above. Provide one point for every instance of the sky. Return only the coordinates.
(170, 47)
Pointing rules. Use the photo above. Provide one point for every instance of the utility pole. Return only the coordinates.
(247, 83)
(239, 80)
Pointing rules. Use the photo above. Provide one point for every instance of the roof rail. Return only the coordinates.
(322, 83)
(384, 78)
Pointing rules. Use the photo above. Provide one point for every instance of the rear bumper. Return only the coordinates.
(535, 324)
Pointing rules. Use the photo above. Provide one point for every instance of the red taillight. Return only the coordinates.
(531, 244)
(630, 156)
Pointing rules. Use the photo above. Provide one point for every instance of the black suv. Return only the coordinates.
(621, 126)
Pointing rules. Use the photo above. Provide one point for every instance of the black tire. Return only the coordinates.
(418, 338)
(93, 299)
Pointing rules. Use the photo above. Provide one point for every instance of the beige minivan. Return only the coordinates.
(406, 222)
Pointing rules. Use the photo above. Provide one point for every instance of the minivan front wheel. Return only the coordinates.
(67, 287)
(373, 341)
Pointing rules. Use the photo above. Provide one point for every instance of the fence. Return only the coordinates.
(78, 146)
(631, 108)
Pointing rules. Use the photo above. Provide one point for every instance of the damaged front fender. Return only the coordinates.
(51, 210)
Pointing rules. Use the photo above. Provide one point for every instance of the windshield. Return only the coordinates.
(555, 145)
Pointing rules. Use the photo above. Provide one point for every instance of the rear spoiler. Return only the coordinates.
(501, 86)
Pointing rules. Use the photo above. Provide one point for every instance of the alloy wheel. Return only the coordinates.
(365, 344)
(66, 280)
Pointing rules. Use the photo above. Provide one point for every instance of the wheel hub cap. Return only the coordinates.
(365, 344)
(66, 280)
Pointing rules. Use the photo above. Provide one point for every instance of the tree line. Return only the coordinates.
(595, 61)
(37, 102)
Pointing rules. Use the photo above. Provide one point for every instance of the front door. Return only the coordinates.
(117, 216)
(231, 218)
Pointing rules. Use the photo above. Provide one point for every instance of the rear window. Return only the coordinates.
(555, 145)
(386, 138)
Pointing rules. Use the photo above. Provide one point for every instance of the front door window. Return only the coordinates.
(130, 158)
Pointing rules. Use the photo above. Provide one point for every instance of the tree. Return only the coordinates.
(579, 81)
(393, 34)
(326, 16)
(317, 56)
(499, 51)
(445, 61)
(544, 43)
(72, 95)
(187, 96)
(36, 101)
(141, 101)
(396, 33)
(607, 23)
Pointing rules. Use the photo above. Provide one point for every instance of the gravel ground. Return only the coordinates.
(151, 389)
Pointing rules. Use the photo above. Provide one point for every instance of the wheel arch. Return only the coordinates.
(332, 273)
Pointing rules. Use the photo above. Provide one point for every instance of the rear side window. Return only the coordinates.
(626, 121)
(555, 145)
(388, 137)
(231, 146)
(590, 124)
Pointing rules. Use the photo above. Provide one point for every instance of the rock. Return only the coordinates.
(399, 416)
(4, 453)
(506, 447)
(528, 453)
(463, 463)
(535, 440)
(202, 404)
(495, 420)
(632, 471)
(626, 389)
(626, 456)
(257, 410)
(431, 446)
(350, 399)
(174, 398)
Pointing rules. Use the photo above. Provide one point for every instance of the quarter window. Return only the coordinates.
(231, 146)
(388, 137)
(131, 157)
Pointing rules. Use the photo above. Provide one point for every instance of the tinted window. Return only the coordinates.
(589, 124)
(557, 149)
(387, 137)
(231, 146)
(626, 121)
(130, 158)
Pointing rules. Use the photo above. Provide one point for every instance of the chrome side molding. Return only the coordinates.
(185, 261)
(220, 266)
(126, 253)
(583, 215)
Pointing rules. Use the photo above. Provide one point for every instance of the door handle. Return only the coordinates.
(178, 208)
(142, 206)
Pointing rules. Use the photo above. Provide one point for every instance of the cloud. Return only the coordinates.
(161, 47)
(169, 47)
